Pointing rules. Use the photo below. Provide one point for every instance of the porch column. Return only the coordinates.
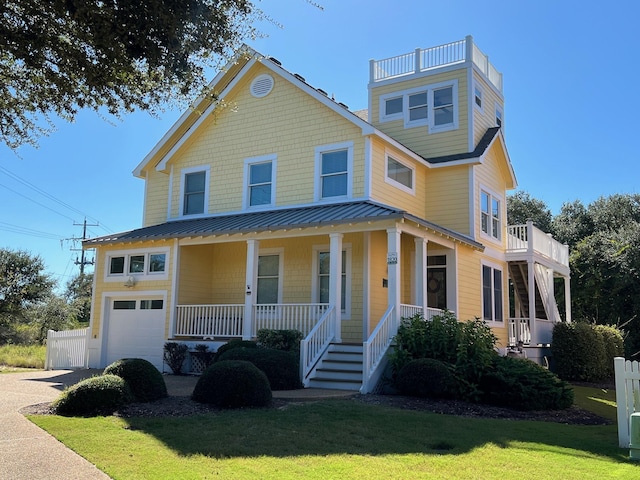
(532, 301)
(250, 288)
(335, 281)
(420, 279)
(567, 298)
(393, 267)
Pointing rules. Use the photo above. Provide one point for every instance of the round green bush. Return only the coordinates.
(101, 395)
(145, 381)
(237, 343)
(281, 368)
(425, 377)
(233, 384)
(524, 385)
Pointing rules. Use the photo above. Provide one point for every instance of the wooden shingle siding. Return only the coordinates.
(156, 197)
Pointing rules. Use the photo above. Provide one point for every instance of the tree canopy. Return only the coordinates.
(522, 207)
(59, 56)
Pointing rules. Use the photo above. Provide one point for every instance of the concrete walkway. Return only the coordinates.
(29, 453)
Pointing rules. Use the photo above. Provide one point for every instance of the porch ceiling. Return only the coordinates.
(273, 220)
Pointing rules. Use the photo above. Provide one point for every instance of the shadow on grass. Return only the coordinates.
(347, 427)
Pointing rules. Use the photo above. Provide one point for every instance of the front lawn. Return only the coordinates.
(341, 439)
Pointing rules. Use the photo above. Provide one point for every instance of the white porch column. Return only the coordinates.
(250, 288)
(393, 267)
(567, 298)
(335, 281)
(420, 270)
(532, 301)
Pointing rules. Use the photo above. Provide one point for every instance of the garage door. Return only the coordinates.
(135, 329)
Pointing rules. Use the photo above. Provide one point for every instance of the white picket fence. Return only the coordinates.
(627, 396)
(66, 349)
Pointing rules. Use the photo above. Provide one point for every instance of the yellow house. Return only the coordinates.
(270, 205)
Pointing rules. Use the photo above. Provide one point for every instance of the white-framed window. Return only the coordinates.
(490, 214)
(194, 191)
(334, 171)
(399, 174)
(269, 277)
(260, 181)
(492, 296)
(147, 264)
(477, 97)
(320, 271)
(433, 105)
(499, 115)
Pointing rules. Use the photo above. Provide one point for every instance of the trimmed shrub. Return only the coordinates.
(174, 355)
(524, 385)
(101, 395)
(281, 368)
(237, 343)
(426, 377)
(287, 340)
(233, 384)
(145, 381)
(613, 346)
(579, 352)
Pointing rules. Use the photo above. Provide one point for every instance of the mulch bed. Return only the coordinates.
(184, 406)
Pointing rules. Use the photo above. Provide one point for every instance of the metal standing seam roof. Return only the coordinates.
(295, 217)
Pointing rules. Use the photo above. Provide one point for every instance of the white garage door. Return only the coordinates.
(135, 329)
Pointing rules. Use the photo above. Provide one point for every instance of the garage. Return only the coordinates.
(135, 329)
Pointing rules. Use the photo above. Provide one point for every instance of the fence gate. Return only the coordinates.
(627, 396)
(66, 349)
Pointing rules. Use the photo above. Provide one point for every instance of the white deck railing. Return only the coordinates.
(314, 345)
(408, 311)
(627, 396)
(66, 349)
(209, 321)
(425, 59)
(520, 331)
(375, 348)
(530, 239)
(289, 316)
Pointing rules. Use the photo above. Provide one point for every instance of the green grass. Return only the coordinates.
(341, 439)
(22, 356)
(597, 400)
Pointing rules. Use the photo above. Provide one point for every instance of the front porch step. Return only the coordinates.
(340, 369)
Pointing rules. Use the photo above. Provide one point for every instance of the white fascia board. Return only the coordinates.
(506, 155)
(455, 163)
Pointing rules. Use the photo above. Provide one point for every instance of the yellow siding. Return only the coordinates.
(196, 281)
(485, 118)
(156, 198)
(448, 201)
(407, 260)
(418, 139)
(379, 295)
(287, 122)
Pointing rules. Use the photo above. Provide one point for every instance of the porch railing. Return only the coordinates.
(289, 316)
(376, 347)
(530, 239)
(520, 331)
(408, 311)
(316, 343)
(209, 321)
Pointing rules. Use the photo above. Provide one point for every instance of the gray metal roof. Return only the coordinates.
(286, 218)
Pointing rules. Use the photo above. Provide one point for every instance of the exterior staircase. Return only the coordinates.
(519, 276)
(340, 368)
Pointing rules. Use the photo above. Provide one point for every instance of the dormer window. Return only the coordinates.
(194, 191)
(260, 179)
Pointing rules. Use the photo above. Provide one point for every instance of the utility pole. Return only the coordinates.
(82, 262)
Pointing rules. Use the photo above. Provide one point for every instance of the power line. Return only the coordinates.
(37, 203)
(8, 227)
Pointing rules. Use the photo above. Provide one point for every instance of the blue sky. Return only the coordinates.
(571, 106)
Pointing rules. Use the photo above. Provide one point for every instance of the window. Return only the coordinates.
(393, 106)
(333, 167)
(400, 174)
(443, 106)
(498, 116)
(478, 97)
(151, 304)
(194, 195)
(139, 263)
(437, 281)
(136, 264)
(490, 215)
(157, 262)
(268, 279)
(323, 278)
(259, 174)
(491, 294)
(417, 106)
(124, 304)
(116, 266)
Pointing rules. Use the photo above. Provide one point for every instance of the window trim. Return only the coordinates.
(207, 179)
(498, 110)
(348, 146)
(493, 267)
(412, 189)
(146, 274)
(478, 89)
(492, 196)
(265, 252)
(315, 284)
(246, 194)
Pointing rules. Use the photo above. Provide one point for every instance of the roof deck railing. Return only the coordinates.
(424, 59)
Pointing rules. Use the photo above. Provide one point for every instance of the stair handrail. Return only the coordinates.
(551, 308)
(314, 345)
(376, 346)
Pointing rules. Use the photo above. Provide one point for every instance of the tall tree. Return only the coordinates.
(59, 56)
(522, 207)
(78, 295)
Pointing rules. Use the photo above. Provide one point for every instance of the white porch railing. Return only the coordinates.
(627, 375)
(530, 239)
(66, 349)
(408, 311)
(421, 60)
(375, 348)
(316, 343)
(289, 316)
(209, 321)
(520, 331)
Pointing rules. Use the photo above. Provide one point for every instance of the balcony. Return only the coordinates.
(422, 60)
(529, 243)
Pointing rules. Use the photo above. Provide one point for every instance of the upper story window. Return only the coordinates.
(260, 181)
(477, 95)
(139, 263)
(498, 116)
(434, 105)
(195, 191)
(334, 164)
(400, 175)
(490, 214)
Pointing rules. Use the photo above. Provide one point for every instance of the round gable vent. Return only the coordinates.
(262, 86)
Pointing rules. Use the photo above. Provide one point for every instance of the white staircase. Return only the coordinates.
(340, 368)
